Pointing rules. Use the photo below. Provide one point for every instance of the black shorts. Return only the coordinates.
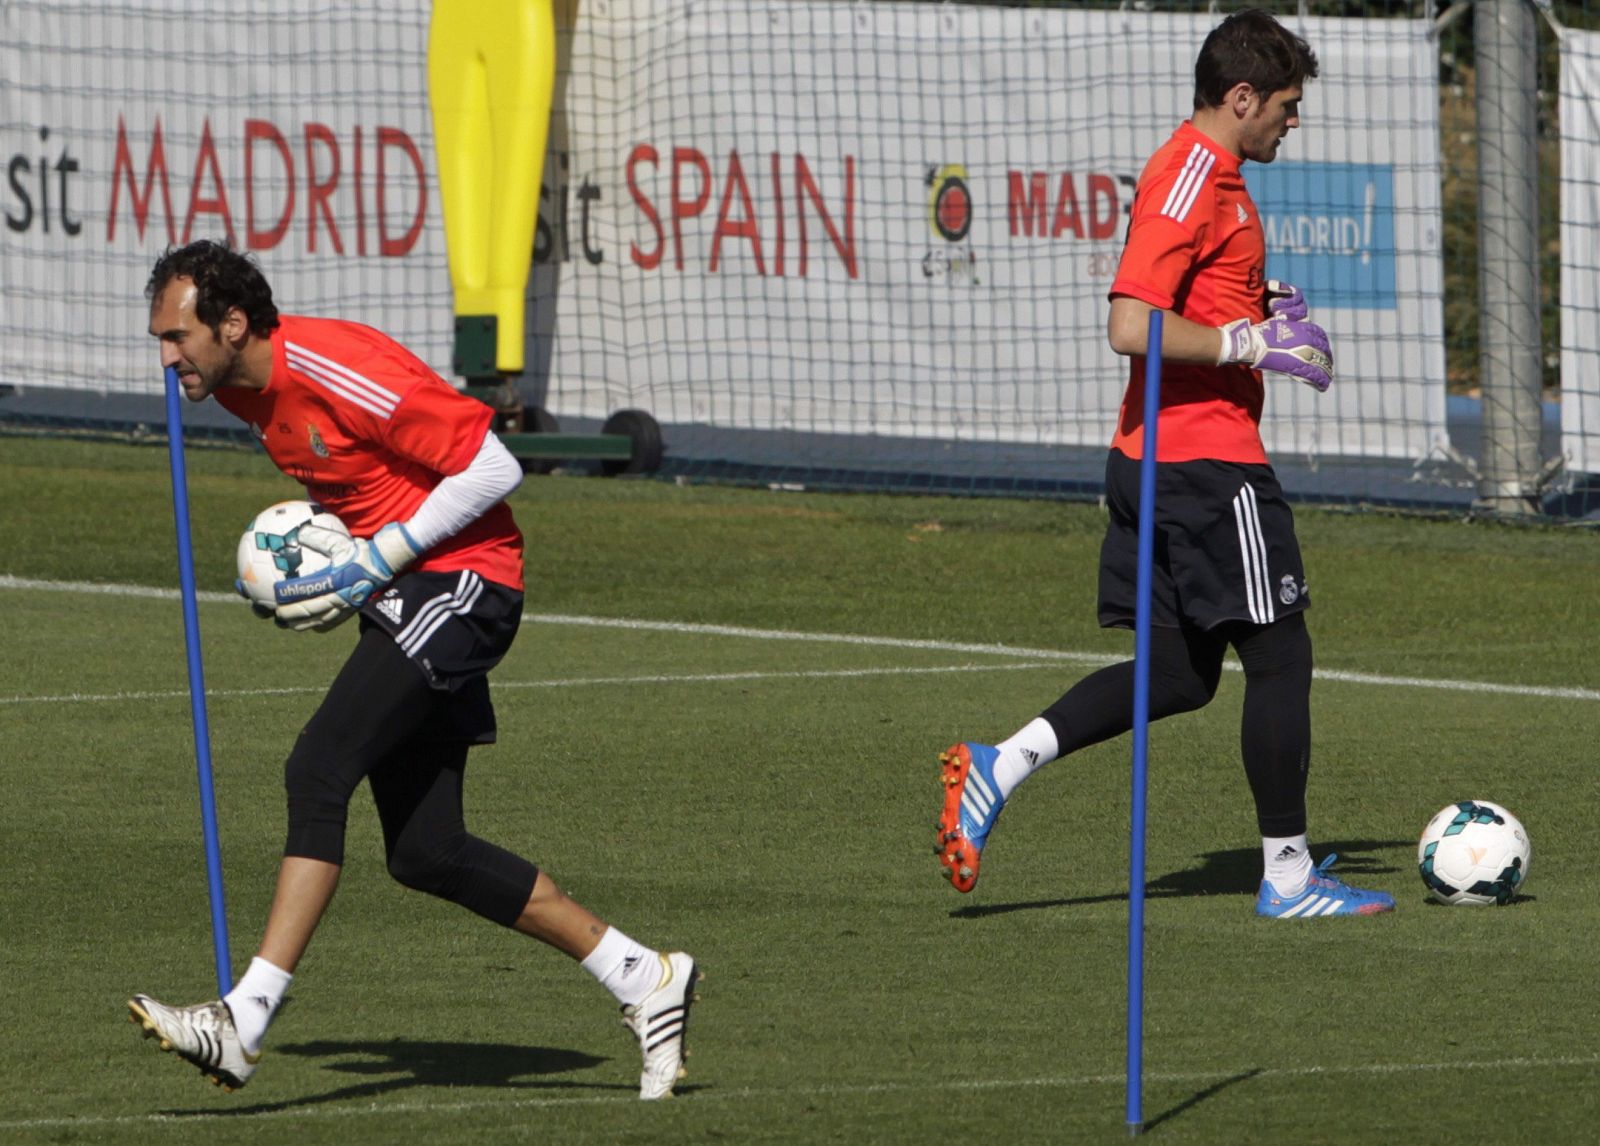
(454, 627)
(1225, 548)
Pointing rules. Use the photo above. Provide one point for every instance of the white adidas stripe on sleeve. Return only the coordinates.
(1190, 181)
(341, 381)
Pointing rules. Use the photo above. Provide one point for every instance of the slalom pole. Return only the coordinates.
(197, 685)
(1141, 727)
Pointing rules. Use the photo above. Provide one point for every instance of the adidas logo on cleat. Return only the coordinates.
(202, 1035)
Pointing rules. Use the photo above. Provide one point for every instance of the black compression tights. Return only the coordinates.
(1185, 665)
(382, 721)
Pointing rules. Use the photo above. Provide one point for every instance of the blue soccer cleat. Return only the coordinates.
(1325, 894)
(972, 804)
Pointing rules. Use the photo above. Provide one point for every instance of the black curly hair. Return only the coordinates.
(1250, 47)
(223, 278)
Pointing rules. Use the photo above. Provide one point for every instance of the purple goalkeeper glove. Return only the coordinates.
(1282, 345)
(1286, 301)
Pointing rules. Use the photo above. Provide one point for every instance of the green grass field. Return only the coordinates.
(729, 774)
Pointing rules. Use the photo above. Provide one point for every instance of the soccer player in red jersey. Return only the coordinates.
(1227, 565)
(433, 570)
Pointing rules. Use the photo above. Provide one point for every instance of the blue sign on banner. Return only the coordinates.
(1330, 230)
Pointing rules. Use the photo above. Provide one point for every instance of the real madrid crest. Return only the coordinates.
(318, 446)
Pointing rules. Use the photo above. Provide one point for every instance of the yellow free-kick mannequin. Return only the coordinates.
(491, 77)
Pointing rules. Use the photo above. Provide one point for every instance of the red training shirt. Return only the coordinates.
(370, 430)
(1195, 247)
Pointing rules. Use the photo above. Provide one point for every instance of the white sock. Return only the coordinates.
(1032, 747)
(629, 970)
(254, 1000)
(1288, 863)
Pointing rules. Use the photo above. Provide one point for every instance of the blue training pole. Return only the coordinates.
(197, 685)
(1141, 727)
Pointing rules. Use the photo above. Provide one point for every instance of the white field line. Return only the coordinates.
(1032, 654)
(1091, 659)
(571, 682)
(370, 1108)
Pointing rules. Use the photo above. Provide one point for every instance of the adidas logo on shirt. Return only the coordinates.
(390, 605)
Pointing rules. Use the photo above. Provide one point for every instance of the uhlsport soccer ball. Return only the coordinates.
(270, 549)
(1474, 853)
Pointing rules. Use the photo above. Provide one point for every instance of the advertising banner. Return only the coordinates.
(903, 219)
(1580, 257)
(887, 219)
(301, 134)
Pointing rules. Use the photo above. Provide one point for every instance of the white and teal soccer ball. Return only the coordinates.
(1474, 854)
(270, 550)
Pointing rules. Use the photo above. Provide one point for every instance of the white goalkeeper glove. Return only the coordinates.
(359, 568)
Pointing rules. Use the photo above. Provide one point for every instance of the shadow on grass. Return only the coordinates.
(1515, 901)
(400, 1064)
(1198, 1097)
(1236, 871)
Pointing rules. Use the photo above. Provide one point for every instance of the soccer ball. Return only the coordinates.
(1474, 853)
(270, 551)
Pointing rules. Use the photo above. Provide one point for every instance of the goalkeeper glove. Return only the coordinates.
(1283, 345)
(358, 568)
(263, 611)
(1286, 301)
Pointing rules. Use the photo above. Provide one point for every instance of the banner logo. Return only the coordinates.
(949, 203)
(950, 219)
(1330, 230)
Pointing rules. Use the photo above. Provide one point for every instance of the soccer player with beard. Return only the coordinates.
(434, 572)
